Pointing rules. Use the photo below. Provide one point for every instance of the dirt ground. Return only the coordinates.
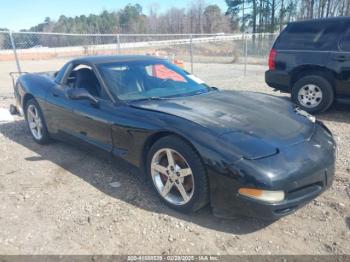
(56, 199)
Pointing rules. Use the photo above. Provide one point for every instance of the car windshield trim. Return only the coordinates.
(153, 98)
(147, 99)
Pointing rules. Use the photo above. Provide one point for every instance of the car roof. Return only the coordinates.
(338, 18)
(115, 58)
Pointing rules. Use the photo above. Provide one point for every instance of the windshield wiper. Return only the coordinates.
(148, 99)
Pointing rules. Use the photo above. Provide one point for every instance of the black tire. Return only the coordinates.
(200, 196)
(323, 84)
(45, 138)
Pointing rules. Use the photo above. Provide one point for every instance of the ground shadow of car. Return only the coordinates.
(101, 171)
(337, 113)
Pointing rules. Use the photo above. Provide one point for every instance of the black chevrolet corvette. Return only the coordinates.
(242, 152)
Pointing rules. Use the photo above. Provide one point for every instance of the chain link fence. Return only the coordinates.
(197, 53)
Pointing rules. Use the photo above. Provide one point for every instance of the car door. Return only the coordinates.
(341, 63)
(58, 109)
(90, 123)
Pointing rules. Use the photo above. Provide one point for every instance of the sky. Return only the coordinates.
(22, 14)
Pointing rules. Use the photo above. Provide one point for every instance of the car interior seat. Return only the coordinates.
(86, 78)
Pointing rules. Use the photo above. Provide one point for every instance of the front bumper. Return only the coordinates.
(303, 172)
(230, 203)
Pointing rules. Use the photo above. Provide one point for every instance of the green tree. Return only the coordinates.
(130, 17)
(212, 18)
(234, 7)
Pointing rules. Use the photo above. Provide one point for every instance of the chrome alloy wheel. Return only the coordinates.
(172, 176)
(310, 96)
(34, 121)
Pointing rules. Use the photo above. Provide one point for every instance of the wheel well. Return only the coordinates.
(154, 138)
(26, 98)
(302, 71)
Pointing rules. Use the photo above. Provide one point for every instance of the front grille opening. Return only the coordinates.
(285, 211)
(305, 190)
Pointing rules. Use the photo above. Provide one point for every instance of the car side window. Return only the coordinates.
(345, 42)
(318, 35)
(83, 76)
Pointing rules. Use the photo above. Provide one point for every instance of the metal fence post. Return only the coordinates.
(191, 53)
(15, 52)
(118, 43)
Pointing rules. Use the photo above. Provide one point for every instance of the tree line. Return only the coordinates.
(241, 15)
(255, 16)
(197, 18)
(258, 16)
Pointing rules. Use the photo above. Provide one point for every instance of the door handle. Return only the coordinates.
(341, 58)
(55, 94)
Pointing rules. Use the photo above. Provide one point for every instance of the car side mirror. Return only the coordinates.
(81, 94)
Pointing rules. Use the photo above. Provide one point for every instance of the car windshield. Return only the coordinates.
(139, 80)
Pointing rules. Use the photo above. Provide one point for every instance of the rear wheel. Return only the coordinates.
(36, 122)
(313, 93)
(177, 174)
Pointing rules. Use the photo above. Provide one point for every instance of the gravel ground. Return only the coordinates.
(56, 199)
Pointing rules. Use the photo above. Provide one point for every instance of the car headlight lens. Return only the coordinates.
(263, 195)
(302, 112)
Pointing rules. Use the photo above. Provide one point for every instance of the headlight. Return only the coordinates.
(302, 112)
(263, 195)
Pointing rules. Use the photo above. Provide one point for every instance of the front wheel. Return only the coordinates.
(313, 93)
(178, 174)
(36, 122)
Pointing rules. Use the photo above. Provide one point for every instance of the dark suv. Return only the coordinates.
(311, 60)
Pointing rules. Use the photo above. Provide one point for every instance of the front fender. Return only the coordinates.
(34, 85)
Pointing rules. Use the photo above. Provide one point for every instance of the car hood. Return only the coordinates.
(248, 114)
